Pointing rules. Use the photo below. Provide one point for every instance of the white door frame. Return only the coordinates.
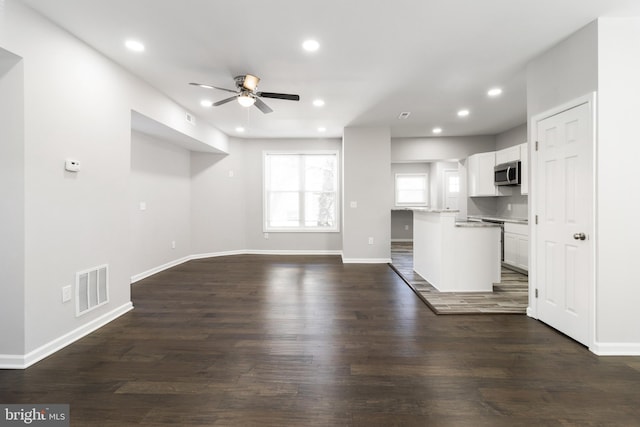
(532, 309)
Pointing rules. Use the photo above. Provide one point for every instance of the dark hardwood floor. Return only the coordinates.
(305, 341)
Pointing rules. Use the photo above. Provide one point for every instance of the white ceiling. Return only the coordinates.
(377, 58)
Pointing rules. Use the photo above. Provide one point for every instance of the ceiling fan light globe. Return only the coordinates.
(246, 100)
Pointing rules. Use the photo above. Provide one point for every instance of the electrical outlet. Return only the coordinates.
(508, 206)
(266, 236)
(353, 204)
(406, 227)
(66, 293)
(173, 244)
(143, 206)
(371, 240)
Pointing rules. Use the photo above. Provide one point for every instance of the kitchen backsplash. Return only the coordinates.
(499, 206)
(519, 206)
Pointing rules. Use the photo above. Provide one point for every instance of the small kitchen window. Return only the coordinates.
(411, 189)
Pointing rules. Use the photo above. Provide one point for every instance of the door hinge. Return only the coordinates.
(536, 292)
(536, 145)
(536, 219)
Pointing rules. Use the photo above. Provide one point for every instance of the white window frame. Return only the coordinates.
(265, 199)
(426, 189)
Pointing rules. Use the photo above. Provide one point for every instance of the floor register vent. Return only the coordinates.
(92, 289)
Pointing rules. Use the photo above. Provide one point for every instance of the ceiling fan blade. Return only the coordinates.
(262, 106)
(273, 95)
(224, 101)
(213, 87)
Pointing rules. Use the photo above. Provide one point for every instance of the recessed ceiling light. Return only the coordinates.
(322, 129)
(134, 45)
(318, 102)
(239, 129)
(463, 113)
(206, 103)
(496, 91)
(310, 45)
(436, 130)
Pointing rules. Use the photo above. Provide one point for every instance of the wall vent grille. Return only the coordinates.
(92, 289)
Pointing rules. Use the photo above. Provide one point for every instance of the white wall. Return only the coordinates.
(565, 72)
(441, 148)
(511, 137)
(12, 244)
(218, 201)
(253, 166)
(161, 179)
(603, 57)
(366, 166)
(617, 155)
(79, 107)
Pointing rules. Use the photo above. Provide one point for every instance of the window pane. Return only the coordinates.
(411, 182)
(411, 196)
(454, 184)
(284, 171)
(284, 209)
(320, 209)
(320, 173)
(411, 189)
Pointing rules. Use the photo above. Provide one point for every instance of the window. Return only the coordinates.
(301, 191)
(411, 189)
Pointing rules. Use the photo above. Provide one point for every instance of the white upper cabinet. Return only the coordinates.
(510, 154)
(480, 174)
(524, 168)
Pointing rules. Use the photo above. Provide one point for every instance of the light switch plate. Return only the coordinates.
(66, 293)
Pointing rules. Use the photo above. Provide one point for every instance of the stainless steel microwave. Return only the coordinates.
(507, 173)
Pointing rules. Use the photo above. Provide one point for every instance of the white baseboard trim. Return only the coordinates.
(290, 252)
(217, 254)
(366, 260)
(530, 313)
(616, 349)
(137, 277)
(266, 252)
(8, 361)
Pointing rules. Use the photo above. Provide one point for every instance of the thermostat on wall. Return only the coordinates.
(72, 165)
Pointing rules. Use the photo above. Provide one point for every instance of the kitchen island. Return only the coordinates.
(455, 256)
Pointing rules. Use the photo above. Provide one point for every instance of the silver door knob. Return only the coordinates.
(579, 236)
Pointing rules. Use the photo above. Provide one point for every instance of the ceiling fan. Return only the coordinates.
(247, 95)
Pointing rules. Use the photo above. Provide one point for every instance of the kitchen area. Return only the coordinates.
(469, 234)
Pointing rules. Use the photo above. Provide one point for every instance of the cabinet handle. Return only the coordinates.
(508, 174)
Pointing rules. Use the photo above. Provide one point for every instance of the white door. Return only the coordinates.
(451, 189)
(565, 218)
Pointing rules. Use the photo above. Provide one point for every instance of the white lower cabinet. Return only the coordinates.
(516, 245)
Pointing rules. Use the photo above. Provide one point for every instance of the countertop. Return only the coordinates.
(476, 224)
(427, 210)
(497, 219)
